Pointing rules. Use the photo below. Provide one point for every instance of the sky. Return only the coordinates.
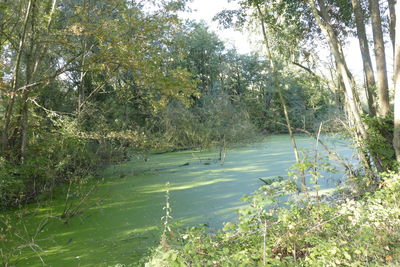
(206, 9)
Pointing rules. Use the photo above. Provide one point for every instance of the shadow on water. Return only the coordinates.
(125, 222)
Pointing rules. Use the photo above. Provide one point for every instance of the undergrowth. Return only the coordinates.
(363, 232)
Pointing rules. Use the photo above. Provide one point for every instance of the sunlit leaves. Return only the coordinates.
(351, 233)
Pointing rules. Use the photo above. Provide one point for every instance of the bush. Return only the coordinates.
(353, 233)
(379, 140)
(52, 159)
(11, 186)
(213, 122)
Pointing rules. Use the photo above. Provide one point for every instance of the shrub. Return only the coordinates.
(354, 233)
(11, 185)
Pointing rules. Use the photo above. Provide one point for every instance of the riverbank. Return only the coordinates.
(121, 218)
(362, 232)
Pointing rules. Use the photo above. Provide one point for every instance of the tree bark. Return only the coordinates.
(352, 128)
(366, 57)
(32, 60)
(15, 80)
(353, 106)
(380, 58)
(24, 114)
(392, 23)
(396, 135)
(341, 65)
(81, 88)
(282, 99)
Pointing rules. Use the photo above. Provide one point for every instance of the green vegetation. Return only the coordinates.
(362, 232)
(89, 85)
(81, 89)
(124, 211)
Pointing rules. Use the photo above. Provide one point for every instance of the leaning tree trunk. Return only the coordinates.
(282, 99)
(341, 65)
(380, 58)
(352, 102)
(396, 137)
(362, 153)
(366, 57)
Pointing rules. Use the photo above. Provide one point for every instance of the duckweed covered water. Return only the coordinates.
(120, 219)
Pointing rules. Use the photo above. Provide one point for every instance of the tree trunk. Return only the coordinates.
(15, 80)
(282, 99)
(24, 125)
(352, 128)
(31, 66)
(81, 88)
(396, 135)
(380, 58)
(366, 57)
(353, 106)
(341, 65)
(392, 23)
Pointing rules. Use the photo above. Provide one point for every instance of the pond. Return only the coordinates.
(121, 219)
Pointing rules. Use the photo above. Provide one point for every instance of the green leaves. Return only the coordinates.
(354, 233)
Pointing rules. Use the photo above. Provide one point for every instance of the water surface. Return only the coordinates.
(122, 218)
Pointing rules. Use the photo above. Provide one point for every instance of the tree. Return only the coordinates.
(380, 58)
(202, 56)
(366, 57)
(16, 76)
(392, 22)
(396, 135)
(76, 66)
(285, 33)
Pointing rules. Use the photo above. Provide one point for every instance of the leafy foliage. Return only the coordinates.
(351, 233)
(379, 140)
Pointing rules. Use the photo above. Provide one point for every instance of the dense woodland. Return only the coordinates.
(85, 84)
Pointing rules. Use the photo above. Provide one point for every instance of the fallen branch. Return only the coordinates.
(332, 154)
